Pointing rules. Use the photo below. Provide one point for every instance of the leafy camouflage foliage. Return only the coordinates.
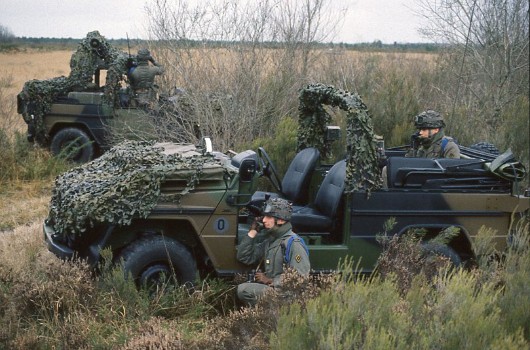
(362, 173)
(121, 185)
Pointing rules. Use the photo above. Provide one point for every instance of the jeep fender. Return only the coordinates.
(461, 244)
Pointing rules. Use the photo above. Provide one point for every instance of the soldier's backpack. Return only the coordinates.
(286, 247)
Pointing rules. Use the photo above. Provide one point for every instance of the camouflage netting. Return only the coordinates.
(122, 185)
(362, 173)
(92, 53)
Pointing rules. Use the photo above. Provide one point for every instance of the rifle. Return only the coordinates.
(131, 62)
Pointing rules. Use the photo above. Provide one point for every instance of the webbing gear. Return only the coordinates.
(445, 141)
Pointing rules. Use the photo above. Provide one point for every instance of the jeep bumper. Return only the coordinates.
(59, 249)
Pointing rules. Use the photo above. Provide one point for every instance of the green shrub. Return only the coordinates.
(457, 309)
(21, 161)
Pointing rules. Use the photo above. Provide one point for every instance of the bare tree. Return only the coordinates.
(6, 35)
(240, 62)
(488, 58)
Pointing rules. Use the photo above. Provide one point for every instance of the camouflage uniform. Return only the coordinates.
(432, 148)
(142, 78)
(270, 254)
(437, 145)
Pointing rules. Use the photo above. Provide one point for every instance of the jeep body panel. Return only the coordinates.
(86, 111)
(433, 212)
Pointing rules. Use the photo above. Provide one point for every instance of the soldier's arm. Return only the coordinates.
(299, 259)
(452, 150)
(249, 252)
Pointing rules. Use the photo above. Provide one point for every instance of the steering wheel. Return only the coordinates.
(268, 169)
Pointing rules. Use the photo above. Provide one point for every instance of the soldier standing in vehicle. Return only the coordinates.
(430, 141)
(142, 78)
(281, 248)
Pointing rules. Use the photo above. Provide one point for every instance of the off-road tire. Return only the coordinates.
(486, 147)
(155, 260)
(72, 144)
(431, 250)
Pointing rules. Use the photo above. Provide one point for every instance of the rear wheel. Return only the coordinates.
(155, 261)
(72, 144)
(438, 255)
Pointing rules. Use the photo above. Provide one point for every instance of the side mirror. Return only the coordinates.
(247, 169)
(206, 144)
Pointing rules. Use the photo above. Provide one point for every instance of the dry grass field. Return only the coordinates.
(19, 67)
(23, 202)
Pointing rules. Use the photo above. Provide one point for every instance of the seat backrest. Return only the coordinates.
(296, 180)
(330, 192)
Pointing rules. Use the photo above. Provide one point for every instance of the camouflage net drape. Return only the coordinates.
(362, 173)
(121, 185)
(92, 53)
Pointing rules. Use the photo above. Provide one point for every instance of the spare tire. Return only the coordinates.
(486, 147)
(72, 144)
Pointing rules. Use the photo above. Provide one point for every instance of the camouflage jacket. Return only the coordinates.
(142, 77)
(270, 253)
(435, 148)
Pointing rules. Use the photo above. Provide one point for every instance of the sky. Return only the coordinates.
(365, 21)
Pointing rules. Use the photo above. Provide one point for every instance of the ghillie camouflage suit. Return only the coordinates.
(93, 53)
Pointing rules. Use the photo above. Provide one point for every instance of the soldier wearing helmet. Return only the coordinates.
(142, 78)
(430, 140)
(280, 248)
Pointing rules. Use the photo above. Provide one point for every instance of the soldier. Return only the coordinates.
(430, 141)
(276, 251)
(142, 78)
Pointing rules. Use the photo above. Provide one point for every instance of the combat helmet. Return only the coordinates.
(278, 208)
(143, 55)
(429, 119)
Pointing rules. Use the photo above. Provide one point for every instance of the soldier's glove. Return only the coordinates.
(256, 224)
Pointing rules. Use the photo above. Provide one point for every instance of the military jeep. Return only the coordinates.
(178, 211)
(78, 116)
(79, 125)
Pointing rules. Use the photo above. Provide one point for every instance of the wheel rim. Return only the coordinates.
(72, 149)
(156, 275)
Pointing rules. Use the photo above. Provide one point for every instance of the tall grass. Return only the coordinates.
(47, 303)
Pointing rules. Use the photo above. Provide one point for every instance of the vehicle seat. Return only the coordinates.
(321, 216)
(295, 182)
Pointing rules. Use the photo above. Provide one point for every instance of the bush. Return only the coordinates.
(21, 161)
(457, 309)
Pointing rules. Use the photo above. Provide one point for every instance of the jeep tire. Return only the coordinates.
(433, 250)
(72, 144)
(153, 260)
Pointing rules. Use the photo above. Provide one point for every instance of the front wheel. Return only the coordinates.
(72, 144)
(153, 261)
